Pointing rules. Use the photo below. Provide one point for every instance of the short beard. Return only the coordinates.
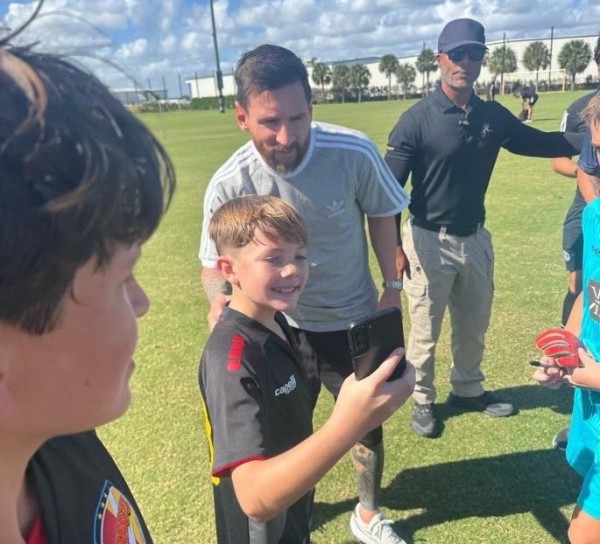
(272, 156)
(457, 85)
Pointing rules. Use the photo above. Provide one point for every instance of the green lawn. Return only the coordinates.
(482, 481)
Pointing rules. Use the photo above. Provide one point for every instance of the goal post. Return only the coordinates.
(544, 80)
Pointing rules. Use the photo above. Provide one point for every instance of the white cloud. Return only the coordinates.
(134, 49)
(169, 44)
(173, 38)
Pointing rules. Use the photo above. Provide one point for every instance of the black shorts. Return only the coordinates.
(327, 360)
(573, 235)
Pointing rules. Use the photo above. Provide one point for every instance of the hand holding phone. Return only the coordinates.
(373, 338)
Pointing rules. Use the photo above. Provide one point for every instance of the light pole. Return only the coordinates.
(502, 66)
(219, 75)
(550, 62)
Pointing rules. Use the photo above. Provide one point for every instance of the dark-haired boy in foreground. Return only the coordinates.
(82, 185)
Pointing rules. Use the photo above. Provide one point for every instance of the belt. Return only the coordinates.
(455, 230)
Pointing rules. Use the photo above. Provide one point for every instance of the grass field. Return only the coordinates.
(482, 481)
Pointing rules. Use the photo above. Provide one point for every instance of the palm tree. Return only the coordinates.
(503, 60)
(405, 75)
(340, 79)
(426, 63)
(536, 57)
(388, 66)
(359, 79)
(574, 58)
(321, 76)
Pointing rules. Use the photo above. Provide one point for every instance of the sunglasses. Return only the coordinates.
(476, 54)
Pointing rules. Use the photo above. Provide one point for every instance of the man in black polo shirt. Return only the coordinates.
(450, 142)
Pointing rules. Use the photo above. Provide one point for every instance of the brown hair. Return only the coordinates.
(235, 222)
(268, 68)
(79, 174)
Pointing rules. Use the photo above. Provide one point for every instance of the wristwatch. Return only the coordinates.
(394, 284)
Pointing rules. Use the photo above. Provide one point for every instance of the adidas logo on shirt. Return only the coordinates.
(336, 208)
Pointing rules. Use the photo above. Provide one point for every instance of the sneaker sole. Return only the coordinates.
(426, 432)
(499, 412)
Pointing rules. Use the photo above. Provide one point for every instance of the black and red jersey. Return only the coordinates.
(257, 405)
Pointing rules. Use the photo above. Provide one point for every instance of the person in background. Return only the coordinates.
(528, 98)
(491, 89)
(450, 142)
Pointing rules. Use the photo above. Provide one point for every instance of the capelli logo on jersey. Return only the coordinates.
(593, 293)
(116, 521)
(287, 388)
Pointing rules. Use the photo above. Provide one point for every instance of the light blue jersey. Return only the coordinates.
(583, 450)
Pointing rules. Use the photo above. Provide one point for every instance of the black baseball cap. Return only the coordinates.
(461, 32)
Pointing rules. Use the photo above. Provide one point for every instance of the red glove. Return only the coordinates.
(560, 345)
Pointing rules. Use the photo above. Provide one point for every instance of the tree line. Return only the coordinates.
(352, 80)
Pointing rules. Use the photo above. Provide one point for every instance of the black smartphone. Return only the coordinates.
(372, 338)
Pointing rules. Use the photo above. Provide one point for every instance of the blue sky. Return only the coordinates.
(152, 40)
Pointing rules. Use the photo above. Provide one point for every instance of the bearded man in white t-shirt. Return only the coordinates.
(334, 177)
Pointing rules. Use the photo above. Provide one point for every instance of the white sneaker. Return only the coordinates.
(378, 531)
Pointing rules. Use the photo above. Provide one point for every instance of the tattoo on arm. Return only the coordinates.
(216, 286)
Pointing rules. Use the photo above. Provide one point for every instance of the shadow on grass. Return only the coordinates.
(533, 396)
(538, 481)
(523, 397)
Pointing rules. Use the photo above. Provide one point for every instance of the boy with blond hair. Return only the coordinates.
(265, 458)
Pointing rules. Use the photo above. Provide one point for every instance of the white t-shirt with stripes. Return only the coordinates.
(341, 180)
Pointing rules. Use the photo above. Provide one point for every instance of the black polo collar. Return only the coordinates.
(440, 98)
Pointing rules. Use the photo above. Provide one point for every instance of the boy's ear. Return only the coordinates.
(226, 267)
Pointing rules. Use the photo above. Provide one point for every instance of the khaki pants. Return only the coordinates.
(453, 271)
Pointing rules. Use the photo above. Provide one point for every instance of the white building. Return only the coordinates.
(207, 86)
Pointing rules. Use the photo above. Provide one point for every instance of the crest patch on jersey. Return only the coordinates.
(116, 520)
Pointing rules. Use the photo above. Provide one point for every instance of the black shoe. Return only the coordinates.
(486, 403)
(423, 420)
(561, 439)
